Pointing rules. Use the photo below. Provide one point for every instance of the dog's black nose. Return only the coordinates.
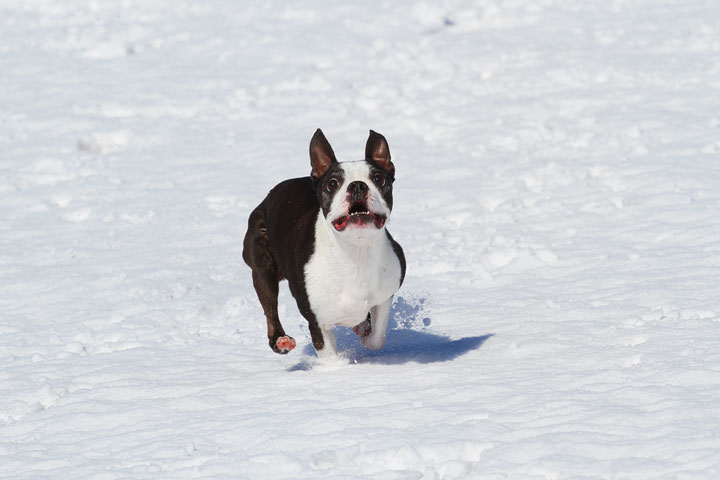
(358, 190)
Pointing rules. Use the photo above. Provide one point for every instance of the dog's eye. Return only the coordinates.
(378, 179)
(331, 185)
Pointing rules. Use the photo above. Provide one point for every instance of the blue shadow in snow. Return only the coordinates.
(406, 342)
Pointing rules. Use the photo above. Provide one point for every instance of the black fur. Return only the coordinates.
(293, 204)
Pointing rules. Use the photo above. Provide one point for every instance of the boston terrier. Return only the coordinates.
(326, 234)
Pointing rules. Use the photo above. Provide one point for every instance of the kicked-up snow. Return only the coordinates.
(557, 198)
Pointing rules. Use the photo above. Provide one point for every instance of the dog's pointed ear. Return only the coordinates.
(377, 151)
(321, 154)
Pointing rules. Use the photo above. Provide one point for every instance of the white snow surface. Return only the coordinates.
(557, 198)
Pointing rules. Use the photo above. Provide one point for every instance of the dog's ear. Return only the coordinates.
(321, 154)
(377, 151)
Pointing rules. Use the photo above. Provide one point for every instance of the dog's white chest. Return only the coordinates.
(344, 281)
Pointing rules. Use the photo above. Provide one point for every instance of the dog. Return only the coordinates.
(326, 234)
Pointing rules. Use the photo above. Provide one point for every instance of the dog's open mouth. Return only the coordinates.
(359, 216)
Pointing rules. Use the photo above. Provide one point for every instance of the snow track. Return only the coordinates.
(557, 198)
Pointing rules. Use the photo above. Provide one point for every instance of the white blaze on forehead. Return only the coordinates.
(356, 171)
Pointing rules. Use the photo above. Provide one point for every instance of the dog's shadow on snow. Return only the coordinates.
(406, 342)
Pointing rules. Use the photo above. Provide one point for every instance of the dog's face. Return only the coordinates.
(355, 197)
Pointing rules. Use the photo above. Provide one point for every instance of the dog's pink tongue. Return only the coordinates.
(358, 219)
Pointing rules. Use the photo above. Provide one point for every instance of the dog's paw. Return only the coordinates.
(363, 329)
(373, 342)
(283, 345)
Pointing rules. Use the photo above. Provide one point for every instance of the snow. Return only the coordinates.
(557, 200)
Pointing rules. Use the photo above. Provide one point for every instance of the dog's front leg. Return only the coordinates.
(379, 316)
(330, 350)
(323, 339)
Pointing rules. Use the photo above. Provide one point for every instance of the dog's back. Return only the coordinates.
(288, 211)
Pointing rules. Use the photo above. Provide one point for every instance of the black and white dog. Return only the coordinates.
(326, 235)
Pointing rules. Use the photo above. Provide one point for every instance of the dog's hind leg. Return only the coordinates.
(363, 328)
(256, 253)
(266, 286)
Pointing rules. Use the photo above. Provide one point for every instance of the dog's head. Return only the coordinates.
(355, 197)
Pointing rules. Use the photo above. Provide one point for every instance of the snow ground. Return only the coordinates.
(558, 201)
